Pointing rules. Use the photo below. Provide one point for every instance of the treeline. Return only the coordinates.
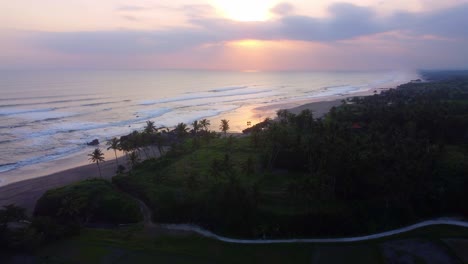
(152, 142)
(62, 212)
(398, 156)
(373, 163)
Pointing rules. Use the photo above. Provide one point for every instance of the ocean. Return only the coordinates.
(48, 116)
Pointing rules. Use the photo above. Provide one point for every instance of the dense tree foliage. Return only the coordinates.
(372, 163)
(89, 201)
(401, 154)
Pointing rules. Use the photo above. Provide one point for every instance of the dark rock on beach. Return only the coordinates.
(95, 142)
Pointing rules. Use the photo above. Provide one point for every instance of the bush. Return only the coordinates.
(89, 201)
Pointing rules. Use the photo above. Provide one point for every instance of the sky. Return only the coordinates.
(244, 35)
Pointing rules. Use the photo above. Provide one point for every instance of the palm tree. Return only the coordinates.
(205, 124)
(224, 126)
(196, 127)
(159, 139)
(149, 128)
(133, 158)
(181, 130)
(97, 156)
(148, 135)
(114, 144)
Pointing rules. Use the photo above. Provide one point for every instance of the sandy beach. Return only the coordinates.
(26, 192)
(319, 106)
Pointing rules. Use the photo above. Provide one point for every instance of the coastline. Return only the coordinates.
(25, 191)
(318, 105)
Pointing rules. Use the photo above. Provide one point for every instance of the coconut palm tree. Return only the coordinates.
(97, 156)
(224, 126)
(149, 135)
(114, 144)
(149, 128)
(196, 127)
(181, 130)
(134, 158)
(159, 140)
(205, 124)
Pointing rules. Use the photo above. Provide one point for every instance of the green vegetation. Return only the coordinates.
(89, 201)
(133, 245)
(372, 164)
(62, 212)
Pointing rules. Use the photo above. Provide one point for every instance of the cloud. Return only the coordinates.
(130, 18)
(131, 8)
(349, 31)
(198, 11)
(282, 9)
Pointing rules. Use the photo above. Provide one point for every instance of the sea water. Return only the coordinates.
(50, 115)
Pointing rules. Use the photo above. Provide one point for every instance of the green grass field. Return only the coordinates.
(132, 245)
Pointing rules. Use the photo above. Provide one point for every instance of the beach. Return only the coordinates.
(26, 193)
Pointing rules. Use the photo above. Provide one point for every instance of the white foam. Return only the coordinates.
(15, 111)
(190, 115)
(86, 126)
(227, 93)
(40, 116)
(228, 88)
(57, 154)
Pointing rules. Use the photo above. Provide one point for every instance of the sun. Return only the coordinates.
(248, 43)
(245, 10)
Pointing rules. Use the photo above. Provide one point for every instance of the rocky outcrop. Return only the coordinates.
(95, 142)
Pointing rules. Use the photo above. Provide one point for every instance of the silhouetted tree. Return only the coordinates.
(97, 156)
(114, 144)
(205, 124)
(224, 126)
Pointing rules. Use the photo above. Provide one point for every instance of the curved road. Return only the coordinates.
(206, 233)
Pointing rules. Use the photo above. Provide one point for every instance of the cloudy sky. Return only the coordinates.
(234, 34)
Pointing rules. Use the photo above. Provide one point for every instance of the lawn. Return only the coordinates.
(132, 245)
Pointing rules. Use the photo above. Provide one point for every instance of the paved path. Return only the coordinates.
(206, 233)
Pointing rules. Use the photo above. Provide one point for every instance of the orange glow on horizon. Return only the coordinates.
(248, 43)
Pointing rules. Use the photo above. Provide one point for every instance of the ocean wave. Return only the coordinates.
(229, 88)
(9, 112)
(8, 166)
(6, 141)
(43, 97)
(53, 102)
(228, 93)
(103, 103)
(190, 115)
(74, 127)
(35, 118)
(59, 153)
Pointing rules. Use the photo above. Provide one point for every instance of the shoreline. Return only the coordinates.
(26, 191)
